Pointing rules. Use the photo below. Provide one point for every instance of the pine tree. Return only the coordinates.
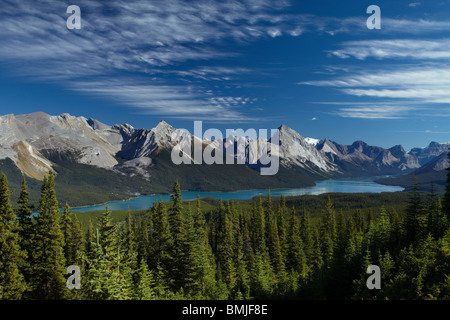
(48, 255)
(204, 270)
(317, 261)
(192, 263)
(296, 258)
(436, 219)
(328, 232)
(306, 236)
(414, 220)
(281, 224)
(446, 208)
(225, 243)
(160, 239)
(276, 255)
(128, 249)
(258, 226)
(144, 285)
(106, 276)
(242, 277)
(178, 248)
(360, 284)
(26, 231)
(11, 279)
(383, 230)
(268, 217)
(330, 219)
(90, 239)
(73, 237)
(143, 239)
(66, 221)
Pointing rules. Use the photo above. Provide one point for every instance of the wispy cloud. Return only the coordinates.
(375, 112)
(174, 101)
(427, 84)
(148, 38)
(396, 48)
(135, 37)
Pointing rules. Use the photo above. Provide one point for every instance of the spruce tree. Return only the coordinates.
(90, 239)
(242, 289)
(203, 254)
(296, 258)
(26, 231)
(178, 248)
(446, 203)
(106, 276)
(382, 231)
(414, 220)
(73, 237)
(225, 243)
(258, 227)
(48, 256)
(306, 236)
(281, 224)
(11, 279)
(160, 239)
(144, 285)
(436, 220)
(130, 249)
(275, 251)
(143, 239)
(192, 263)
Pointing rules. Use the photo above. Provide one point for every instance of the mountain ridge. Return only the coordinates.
(38, 142)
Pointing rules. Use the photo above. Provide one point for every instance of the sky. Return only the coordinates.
(314, 66)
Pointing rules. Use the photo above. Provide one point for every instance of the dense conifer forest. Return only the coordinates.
(268, 250)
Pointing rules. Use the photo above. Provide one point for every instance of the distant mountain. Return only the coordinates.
(433, 150)
(433, 173)
(362, 159)
(113, 162)
(26, 138)
(103, 162)
(296, 151)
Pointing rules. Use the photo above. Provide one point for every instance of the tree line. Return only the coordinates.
(271, 251)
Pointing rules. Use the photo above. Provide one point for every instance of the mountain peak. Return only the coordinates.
(162, 125)
(97, 125)
(397, 150)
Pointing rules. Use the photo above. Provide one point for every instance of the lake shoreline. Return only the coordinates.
(343, 185)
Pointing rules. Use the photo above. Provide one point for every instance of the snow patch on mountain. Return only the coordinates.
(294, 150)
(312, 141)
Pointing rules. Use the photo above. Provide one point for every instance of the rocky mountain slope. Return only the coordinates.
(25, 138)
(118, 160)
(361, 159)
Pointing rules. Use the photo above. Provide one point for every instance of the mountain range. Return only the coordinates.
(91, 158)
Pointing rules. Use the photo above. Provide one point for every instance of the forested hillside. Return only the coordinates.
(267, 250)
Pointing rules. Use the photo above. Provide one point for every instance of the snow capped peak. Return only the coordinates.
(312, 141)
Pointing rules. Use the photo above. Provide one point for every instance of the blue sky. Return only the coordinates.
(312, 65)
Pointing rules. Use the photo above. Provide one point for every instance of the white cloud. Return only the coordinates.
(427, 84)
(146, 37)
(274, 33)
(375, 112)
(136, 36)
(396, 48)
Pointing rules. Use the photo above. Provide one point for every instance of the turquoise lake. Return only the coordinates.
(351, 185)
